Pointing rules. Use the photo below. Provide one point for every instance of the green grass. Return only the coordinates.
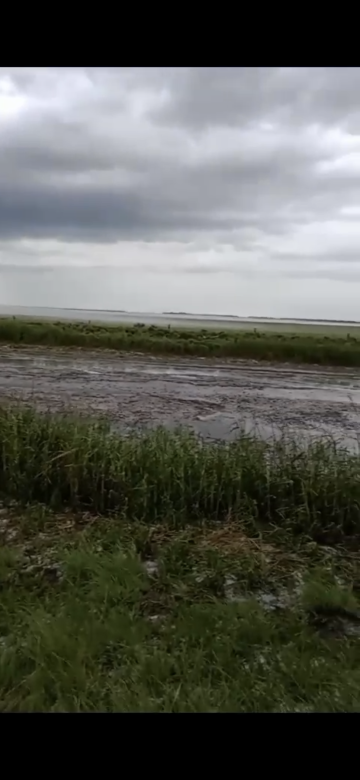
(298, 347)
(85, 625)
(157, 574)
(173, 477)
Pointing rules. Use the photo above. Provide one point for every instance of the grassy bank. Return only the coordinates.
(297, 347)
(157, 574)
(174, 477)
(115, 616)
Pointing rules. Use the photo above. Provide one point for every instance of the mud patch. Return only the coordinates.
(151, 568)
(337, 622)
(217, 399)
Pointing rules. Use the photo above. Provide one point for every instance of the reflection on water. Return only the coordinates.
(230, 427)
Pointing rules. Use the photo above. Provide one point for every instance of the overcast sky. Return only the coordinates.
(218, 190)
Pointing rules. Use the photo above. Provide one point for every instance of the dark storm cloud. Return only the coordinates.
(102, 155)
(87, 214)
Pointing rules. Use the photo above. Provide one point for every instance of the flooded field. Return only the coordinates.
(215, 398)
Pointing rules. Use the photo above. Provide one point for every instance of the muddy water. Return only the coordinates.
(216, 399)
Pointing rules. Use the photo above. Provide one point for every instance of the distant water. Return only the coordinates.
(98, 315)
(147, 318)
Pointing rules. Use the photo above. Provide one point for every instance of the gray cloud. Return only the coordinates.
(114, 153)
(201, 97)
(251, 171)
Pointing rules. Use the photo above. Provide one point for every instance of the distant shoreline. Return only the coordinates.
(118, 315)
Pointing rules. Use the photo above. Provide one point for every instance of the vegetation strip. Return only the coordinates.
(297, 347)
(174, 477)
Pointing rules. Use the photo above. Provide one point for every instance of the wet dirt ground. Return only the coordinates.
(215, 398)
